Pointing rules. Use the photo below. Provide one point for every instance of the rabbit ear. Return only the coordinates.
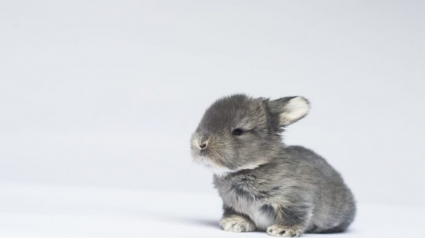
(289, 109)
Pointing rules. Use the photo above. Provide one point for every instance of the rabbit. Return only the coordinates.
(264, 184)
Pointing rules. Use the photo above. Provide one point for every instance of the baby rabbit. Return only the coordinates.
(265, 185)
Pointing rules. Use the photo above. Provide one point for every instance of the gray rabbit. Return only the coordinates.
(265, 185)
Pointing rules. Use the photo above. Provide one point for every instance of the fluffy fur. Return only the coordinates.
(265, 185)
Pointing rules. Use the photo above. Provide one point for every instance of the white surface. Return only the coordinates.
(48, 211)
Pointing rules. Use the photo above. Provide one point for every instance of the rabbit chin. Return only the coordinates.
(222, 171)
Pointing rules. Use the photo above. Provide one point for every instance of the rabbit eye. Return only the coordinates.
(237, 132)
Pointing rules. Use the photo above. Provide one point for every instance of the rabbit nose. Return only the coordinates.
(203, 146)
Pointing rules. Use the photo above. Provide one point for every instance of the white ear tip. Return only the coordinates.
(294, 110)
(301, 102)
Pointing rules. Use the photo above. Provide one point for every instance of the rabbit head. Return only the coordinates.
(239, 132)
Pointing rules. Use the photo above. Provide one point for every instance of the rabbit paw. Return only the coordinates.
(236, 223)
(285, 231)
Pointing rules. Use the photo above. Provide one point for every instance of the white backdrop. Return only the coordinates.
(107, 93)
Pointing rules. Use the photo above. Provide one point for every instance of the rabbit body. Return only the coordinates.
(264, 184)
(298, 188)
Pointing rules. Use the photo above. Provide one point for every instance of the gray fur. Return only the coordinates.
(286, 190)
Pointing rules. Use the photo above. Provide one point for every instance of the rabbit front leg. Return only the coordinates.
(232, 221)
(290, 220)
